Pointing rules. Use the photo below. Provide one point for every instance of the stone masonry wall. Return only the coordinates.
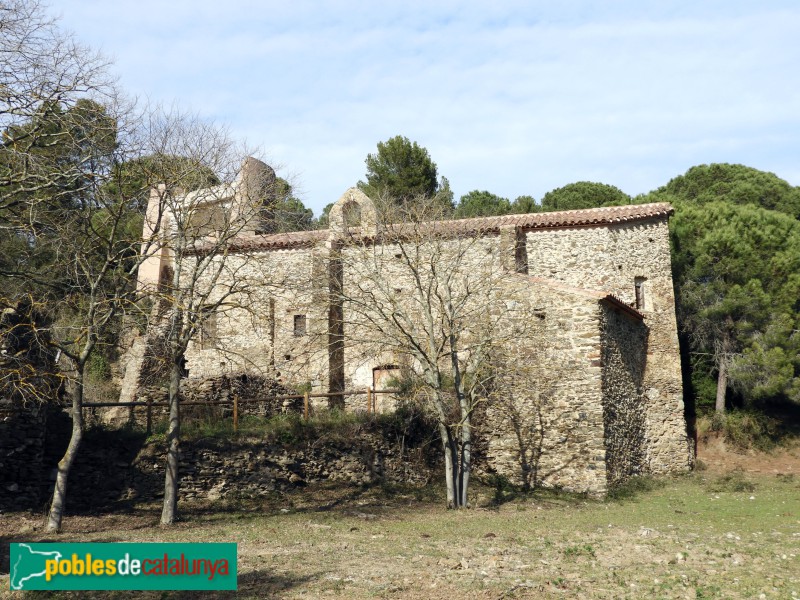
(545, 424)
(623, 353)
(115, 466)
(611, 258)
(386, 280)
(249, 468)
(557, 363)
(255, 332)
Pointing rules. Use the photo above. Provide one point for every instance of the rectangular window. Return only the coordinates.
(521, 251)
(299, 325)
(208, 328)
(639, 285)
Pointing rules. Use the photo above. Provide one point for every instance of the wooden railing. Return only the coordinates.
(236, 402)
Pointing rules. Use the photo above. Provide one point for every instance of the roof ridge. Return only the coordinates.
(582, 217)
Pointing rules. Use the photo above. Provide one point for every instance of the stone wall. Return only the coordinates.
(379, 276)
(255, 331)
(118, 466)
(623, 353)
(545, 422)
(611, 258)
(23, 433)
(248, 468)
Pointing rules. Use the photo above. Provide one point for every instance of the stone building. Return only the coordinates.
(592, 393)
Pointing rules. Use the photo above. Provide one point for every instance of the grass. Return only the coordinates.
(733, 481)
(634, 487)
(707, 535)
(290, 428)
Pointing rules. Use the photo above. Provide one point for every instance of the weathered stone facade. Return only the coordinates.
(592, 390)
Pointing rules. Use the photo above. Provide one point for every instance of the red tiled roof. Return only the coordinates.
(590, 217)
(277, 241)
(567, 218)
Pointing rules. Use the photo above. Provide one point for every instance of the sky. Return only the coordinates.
(516, 97)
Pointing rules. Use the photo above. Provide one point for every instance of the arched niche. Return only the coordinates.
(353, 209)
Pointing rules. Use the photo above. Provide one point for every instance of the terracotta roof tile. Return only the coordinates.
(566, 218)
(277, 241)
(590, 217)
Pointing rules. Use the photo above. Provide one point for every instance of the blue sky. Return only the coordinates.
(512, 97)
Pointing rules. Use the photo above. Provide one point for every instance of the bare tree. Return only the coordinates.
(64, 225)
(431, 297)
(75, 164)
(82, 259)
(192, 279)
(43, 74)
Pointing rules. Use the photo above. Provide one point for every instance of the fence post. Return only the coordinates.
(369, 400)
(305, 405)
(235, 412)
(149, 415)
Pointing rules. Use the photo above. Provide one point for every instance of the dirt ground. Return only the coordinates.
(716, 456)
(730, 530)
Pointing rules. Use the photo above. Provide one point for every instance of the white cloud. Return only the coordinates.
(515, 99)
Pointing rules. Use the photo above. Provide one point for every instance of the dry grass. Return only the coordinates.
(709, 535)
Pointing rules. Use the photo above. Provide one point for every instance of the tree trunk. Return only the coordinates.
(466, 460)
(722, 386)
(168, 513)
(65, 464)
(449, 465)
(463, 457)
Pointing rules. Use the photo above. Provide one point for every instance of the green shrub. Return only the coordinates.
(403, 426)
(742, 429)
(634, 486)
(750, 429)
(733, 481)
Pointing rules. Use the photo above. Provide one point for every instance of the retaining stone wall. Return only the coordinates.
(22, 441)
(248, 468)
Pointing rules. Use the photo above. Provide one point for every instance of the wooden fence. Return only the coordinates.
(236, 402)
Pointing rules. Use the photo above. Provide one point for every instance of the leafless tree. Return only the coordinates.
(197, 279)
(43, 74)
(76, 164)
(63, 221)
(430, 296)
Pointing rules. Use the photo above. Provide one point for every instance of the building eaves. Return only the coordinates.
(278, 241)
(591, 217)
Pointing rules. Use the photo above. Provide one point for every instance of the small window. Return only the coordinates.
(299, 325)
(351, 212)
(639, 287)
(208, 328)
